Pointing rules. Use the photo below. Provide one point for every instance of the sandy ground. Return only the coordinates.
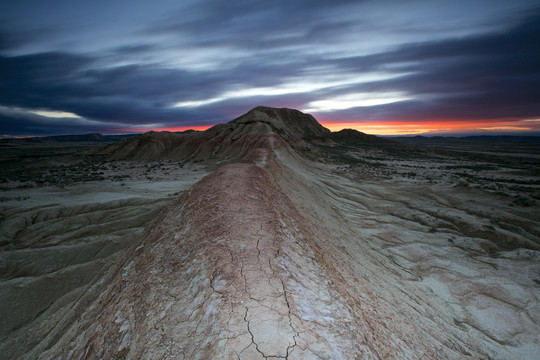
(352, 253)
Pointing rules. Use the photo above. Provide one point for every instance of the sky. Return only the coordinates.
(387, 67)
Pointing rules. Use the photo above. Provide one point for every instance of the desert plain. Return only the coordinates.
(270, 237)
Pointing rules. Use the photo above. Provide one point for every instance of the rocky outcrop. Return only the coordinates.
(354, 137)
(289, 123)
(260, 127)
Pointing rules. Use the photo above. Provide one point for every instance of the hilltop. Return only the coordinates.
(261, 127)
(270, 237)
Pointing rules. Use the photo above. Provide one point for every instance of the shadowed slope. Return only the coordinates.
(289, 123)
(354, 137)
(230, 141)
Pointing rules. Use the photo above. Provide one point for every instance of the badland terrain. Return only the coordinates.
(269, 237)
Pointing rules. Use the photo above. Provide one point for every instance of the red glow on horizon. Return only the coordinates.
(170, 129)
(406, 127)
(5, 136)
(184, 128)
(434, 127)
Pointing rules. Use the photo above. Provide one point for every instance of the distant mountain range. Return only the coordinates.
(419, 138)
(93, 137)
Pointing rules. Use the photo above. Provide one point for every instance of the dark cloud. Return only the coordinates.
(127, 94)
(19, 123)
(133, 95)
(489, 75)
(249, 24)
(493, 76)
(5, 41)
(133, 49)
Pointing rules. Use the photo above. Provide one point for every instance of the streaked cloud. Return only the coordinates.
(356, 100)
(167, 64)
(306, 85)
(55, 114)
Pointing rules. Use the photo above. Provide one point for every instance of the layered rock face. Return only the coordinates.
(230, 141)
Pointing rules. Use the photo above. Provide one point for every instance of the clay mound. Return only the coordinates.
(149, 146)
(289, 123)
(261, 127)
(354, 137)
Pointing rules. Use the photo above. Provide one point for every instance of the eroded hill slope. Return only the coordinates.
(280, 256)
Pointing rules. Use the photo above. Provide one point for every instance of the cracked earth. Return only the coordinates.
(234, 288)
(281, 258)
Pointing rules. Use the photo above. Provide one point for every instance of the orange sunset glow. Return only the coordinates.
(434, 127)
(171, 129)
(397, 128)
(183, 128)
